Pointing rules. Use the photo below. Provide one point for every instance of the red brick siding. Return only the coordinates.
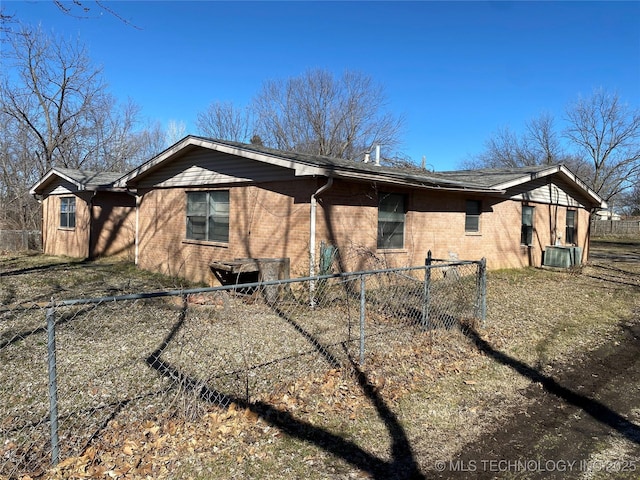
(272, 220)
(57, 241)
(114, 225)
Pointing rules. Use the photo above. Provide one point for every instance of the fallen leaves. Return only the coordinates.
(151, 448)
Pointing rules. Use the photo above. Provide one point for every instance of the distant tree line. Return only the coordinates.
(55, 110)
(600, 143)
(316, 113)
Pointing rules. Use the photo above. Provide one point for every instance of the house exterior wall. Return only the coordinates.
(272, 220)
(113, 225)
(71, 242)
(106, 228)
(435, 221)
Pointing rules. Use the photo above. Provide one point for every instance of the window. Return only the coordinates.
(208, 216)
(472, 218)
(526, 236)
(68, 212)
(571, 233)
(391, 220)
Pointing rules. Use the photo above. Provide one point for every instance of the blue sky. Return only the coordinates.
(457, 71)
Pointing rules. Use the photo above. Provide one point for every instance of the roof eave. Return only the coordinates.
(528, 177)
(399, 181)
(597, 200)
(300, 168)
(46, 180)
(167, 155)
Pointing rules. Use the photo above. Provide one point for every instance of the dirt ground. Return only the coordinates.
(549, 388)
(583, 420)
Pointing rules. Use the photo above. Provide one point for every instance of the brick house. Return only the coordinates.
(83, 215)
(205, 201)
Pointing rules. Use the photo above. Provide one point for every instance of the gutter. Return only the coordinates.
(312, 234)
(136, 241)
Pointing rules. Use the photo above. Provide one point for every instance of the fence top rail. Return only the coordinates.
(235, 286)
(449, 263)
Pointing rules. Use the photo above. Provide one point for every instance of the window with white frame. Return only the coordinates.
(571, 231)
(391, 217)
(526, 236)
(473, 208)
(68, 212)
(208, 216)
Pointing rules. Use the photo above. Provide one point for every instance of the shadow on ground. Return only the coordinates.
(402, 465)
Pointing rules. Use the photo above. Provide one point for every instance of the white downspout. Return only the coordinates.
(137, 236)
(312, 234)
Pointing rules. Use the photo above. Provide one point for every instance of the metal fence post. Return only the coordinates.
(362, 312)
(53, 383)
(482, 291)
(426, 288)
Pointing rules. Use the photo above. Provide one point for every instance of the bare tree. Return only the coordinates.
(55, 111)
(606, 134)
(176, 130)
(542, 141)
(319, 114)
(16, 206)
(149, 142)
(223, 120)
(600, 144)
(52, 96)
(539, 145)
(76, 8)
(630, 201)
(82, 9)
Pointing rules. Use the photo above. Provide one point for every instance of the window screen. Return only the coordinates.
(472, 217)
(68, 212)
(208, 216)
(391, 214)
(526, 237)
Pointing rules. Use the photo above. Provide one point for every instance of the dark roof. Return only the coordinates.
(492, 181)
(90, 179)
(491, 177)
(410, 176)
(82, 179)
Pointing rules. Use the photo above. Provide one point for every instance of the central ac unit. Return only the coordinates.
(562, 257)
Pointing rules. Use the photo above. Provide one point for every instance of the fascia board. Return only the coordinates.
(155, 161)
(300, 169)
(550, 171)
(527, 178)
(597, 199)
(46, 180)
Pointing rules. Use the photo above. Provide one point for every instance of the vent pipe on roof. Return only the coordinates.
(366, 157)
(378, 154)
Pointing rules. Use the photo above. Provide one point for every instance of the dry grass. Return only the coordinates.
(430, 391)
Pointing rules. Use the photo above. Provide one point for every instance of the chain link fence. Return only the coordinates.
(70, 367)
(20, 240)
